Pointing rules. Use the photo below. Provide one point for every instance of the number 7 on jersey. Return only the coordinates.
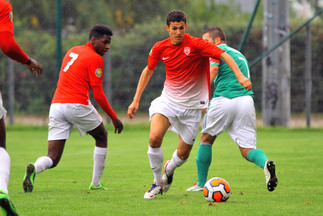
(74, 57)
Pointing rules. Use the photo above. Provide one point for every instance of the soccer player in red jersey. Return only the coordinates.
(81, 71)
(186, 92)
(9, 47)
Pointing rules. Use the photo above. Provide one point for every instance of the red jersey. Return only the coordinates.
(5, 16)
(81, 68)
(7, 42)
(187, 69)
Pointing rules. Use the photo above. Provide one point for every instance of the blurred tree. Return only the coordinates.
(83, 13)
(137, 25)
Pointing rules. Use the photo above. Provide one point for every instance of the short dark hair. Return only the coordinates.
(216, 32)
(175, 16)
(99, 30)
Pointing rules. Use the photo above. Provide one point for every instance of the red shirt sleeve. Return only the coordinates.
(208, 49)
(9, 46)
(154, 57)
(95, 69)
(101, 99)
(214, 61)
(6, 17)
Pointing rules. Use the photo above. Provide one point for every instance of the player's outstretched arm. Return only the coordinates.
(10, 47)
(143, 81)
(118, 126)
(34, 66)
(244, 81)
(102, 100)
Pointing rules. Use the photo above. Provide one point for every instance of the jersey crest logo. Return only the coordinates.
(187, 50)
(11, 16)
(98, 72)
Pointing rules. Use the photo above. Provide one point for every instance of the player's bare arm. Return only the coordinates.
(214, 69)
(143, 81)
(34, 66)
(244, 81)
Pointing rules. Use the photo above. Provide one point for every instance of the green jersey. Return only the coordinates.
(226, 83)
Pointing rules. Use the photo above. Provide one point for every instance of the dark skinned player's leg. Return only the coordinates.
(4, 159)
(55, 151)
(100, 135)
(2, 133)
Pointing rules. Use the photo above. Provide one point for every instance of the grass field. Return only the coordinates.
(298, 155)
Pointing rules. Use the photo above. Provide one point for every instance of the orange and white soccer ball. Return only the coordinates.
(216, 189)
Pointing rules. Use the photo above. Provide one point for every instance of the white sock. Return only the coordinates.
(99, 158)
(156, 158)
(4, 169)
(43, 163)
(174, 163)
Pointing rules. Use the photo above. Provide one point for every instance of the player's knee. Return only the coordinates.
(155, 141)
(102, 136)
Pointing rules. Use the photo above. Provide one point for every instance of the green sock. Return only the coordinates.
(258, 157)
(203, 161)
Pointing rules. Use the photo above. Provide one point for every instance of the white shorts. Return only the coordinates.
(63, 116)
(237, 115)
(185, 122)
(3, 111)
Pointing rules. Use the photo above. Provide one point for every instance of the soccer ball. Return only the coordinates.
(216, 189)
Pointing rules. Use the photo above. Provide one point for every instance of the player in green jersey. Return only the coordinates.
(232, 109)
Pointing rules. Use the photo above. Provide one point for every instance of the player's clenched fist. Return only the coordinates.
(132, 109)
